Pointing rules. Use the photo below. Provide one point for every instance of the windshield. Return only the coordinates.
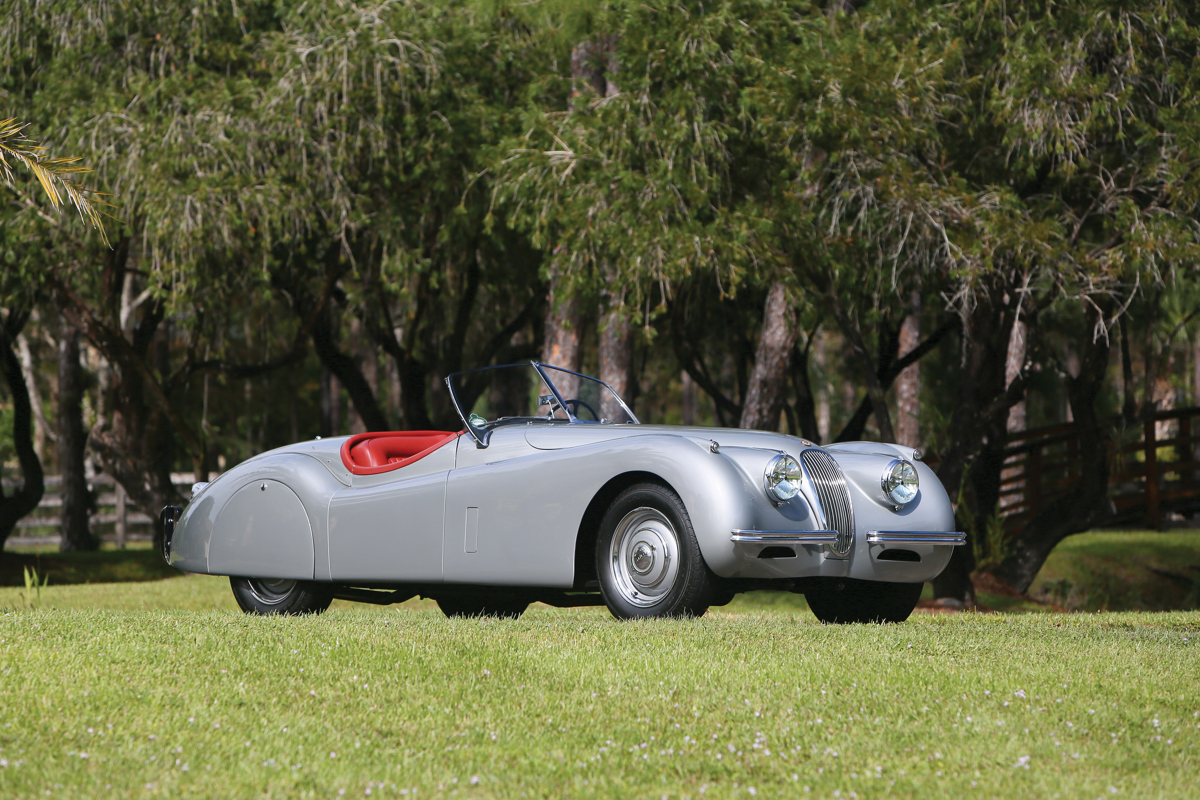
(532, 392)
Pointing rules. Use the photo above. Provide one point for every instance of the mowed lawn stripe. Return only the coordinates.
(754, 703)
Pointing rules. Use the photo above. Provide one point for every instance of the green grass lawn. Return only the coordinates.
(1123, 571)
(161, 687)
(200, 700)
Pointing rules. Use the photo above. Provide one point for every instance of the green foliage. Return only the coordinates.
(32, 597)
(16, 146)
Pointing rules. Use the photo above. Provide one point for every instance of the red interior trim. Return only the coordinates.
(376, 452)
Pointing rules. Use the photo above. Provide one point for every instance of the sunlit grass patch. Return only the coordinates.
(572, 703)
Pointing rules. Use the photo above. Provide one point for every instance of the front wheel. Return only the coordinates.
(271, 596)
(647, 557)
(842, 600)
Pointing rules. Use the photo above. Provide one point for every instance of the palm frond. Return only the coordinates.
(17, 148)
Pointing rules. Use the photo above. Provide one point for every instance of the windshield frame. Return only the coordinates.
(480, 435)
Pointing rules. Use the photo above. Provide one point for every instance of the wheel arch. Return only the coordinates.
(589, 526)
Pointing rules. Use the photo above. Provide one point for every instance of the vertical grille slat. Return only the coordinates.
(834, 496)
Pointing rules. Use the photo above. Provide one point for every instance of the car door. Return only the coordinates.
(511, 514)
(389, 527)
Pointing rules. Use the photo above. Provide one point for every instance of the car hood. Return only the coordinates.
(565, 435)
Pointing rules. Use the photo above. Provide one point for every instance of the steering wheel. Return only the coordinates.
(578, 403)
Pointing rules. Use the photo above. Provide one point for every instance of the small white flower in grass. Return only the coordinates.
(216, 724)
(753, 791)
(191, 719)
(332, 754)
(1112, 790)
(474, 780)
(1020, 693)
(1023, 761)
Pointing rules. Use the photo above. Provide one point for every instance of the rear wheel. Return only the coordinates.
(842, 600)
(647, 557)
(495, 604)
(271, 596)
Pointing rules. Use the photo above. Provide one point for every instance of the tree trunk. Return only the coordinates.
(561, 347)
(1086, 504)
(890, 368)
(1013, 365)
(860, 356)
(26, 499)
(805, 409)
(41, 431)
(616, 356)
(1129, 404)
(72, 441)
(765, 393)
(980, 416)
(349, 375)
(822, 400)
(687, 398)
(908, 382)
(1196, 370)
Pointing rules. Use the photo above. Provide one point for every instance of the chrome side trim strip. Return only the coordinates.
(916, 537)
(784, 537)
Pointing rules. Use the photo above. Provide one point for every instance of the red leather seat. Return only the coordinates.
(371, 453)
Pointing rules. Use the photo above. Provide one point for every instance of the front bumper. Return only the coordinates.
(783, 538)
(916, 537)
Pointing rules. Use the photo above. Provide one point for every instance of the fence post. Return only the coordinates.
(120, 515)
(1151, 454)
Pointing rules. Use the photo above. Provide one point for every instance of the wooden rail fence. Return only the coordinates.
(112, 518)
(1152, 469)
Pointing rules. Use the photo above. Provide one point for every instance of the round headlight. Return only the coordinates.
(900, 482)
(783, 478)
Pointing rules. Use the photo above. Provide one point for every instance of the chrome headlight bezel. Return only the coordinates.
(782, 478)
(900, 482)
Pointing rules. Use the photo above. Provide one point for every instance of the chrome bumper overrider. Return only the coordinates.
(916, 537)
(784, 537)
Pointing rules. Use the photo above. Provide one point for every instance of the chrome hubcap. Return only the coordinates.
(645, 557)
(271, 592)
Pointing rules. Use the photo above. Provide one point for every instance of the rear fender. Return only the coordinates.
(265, 518)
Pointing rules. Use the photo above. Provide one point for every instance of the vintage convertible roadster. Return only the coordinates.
(555, 493)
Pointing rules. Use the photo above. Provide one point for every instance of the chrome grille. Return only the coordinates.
(830, 485)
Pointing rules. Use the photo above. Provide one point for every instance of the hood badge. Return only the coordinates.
(713, 447)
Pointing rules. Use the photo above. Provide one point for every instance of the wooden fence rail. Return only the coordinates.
(1152, 469)
(112, 519)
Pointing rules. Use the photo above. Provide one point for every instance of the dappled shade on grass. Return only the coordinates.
(110, 565)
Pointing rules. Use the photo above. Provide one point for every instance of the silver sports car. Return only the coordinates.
(555, 493)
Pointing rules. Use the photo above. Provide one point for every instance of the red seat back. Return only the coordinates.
(370, 453)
